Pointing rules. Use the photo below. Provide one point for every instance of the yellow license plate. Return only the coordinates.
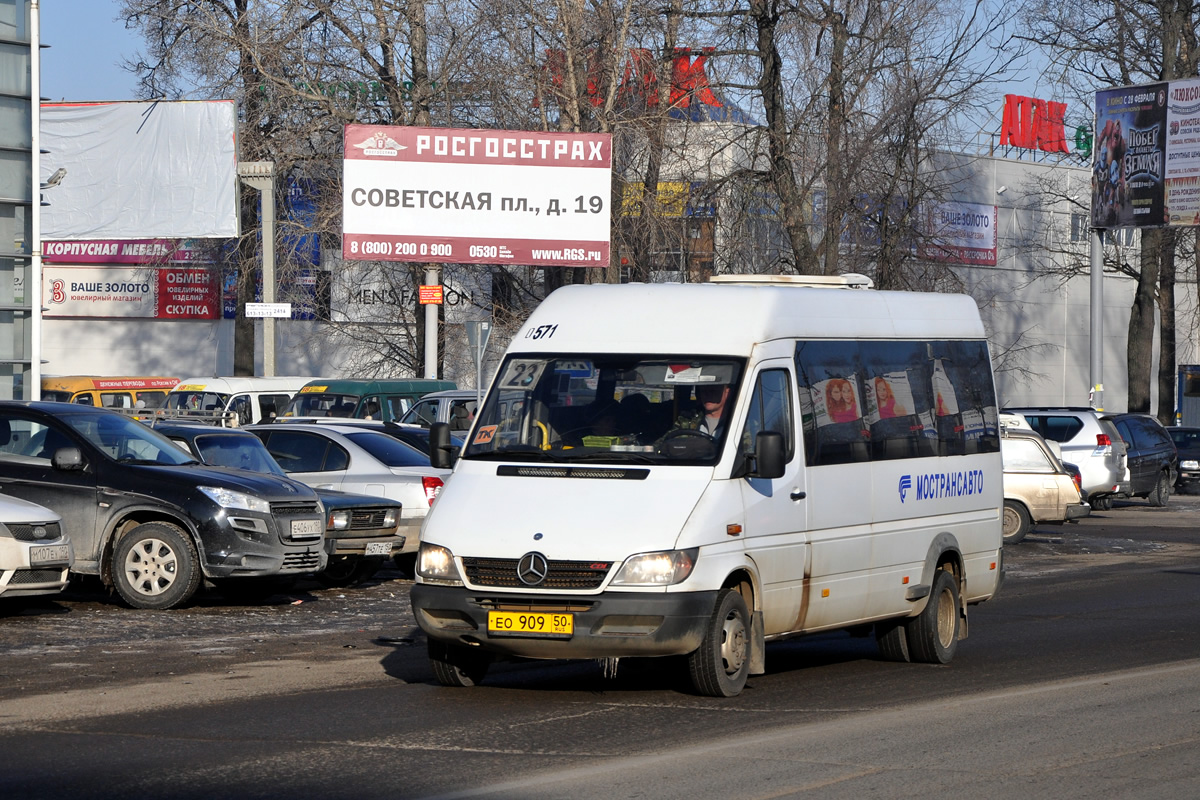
(528, 622)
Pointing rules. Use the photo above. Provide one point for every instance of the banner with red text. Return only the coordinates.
(131, 292)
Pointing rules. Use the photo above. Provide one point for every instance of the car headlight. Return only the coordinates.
(338, 520)
(657, 569)
(435, 564)
(1189, 464)
(391, 518)
(227, 498)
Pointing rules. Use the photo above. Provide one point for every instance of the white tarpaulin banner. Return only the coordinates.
(140, 170)
(476, 196)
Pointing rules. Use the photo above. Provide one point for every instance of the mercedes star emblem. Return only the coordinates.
(532, 569)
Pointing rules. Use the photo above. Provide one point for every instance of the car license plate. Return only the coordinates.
(379, 549)
(49, 554)
(307, 527)
(525, 623)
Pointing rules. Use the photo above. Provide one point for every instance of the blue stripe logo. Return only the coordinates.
(905, 485)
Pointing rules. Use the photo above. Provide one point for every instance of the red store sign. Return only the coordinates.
(1033, 124)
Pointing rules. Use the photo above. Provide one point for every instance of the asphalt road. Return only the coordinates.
(1080, 679)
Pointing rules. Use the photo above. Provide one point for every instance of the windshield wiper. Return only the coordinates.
(617, 456)
(517, 454)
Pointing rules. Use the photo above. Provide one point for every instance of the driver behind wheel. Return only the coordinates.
(709, 418)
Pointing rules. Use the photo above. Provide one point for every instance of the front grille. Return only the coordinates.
(502, 573)
(294, 508)
(300, 562)
(26, 532)
(24, 577)
(367, 518)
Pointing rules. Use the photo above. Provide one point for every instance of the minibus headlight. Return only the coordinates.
(435, 564)
(657, 569)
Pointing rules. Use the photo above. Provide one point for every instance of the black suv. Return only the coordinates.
(1152, 458)
(145, 516)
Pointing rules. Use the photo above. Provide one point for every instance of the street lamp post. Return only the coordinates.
(260, 175)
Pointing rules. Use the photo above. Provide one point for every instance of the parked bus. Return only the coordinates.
(116, 392)
(233, 401)
(384, 399)
(696, 470)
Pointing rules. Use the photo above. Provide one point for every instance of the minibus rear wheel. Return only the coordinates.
(932, 635)
(720, 664)
(455, 665)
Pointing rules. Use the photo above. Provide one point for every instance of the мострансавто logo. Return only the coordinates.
(938, 485)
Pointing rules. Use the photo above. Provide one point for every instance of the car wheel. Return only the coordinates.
(932, 635)
(155, 565)
(893, 645)
(455, 665)
(1162, 491)
(348, 570)
(1016, 522)
(719, 666)
(1104, 503)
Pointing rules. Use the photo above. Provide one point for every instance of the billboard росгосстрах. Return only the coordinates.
(468, 196)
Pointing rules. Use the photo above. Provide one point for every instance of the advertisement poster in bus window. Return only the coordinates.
(946, 404)
(888, 396)
(836, 400)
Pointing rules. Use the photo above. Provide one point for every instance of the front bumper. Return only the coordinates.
(607, 625)
(248, 544)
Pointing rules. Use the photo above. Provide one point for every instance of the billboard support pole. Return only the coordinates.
(1096, 340)
(260, 175)
(433, 277)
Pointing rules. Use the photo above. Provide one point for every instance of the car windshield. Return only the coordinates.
(241, 451)
(126, 439)
(390, 452)
(1186, 438)
(616, 408)
(322, 405)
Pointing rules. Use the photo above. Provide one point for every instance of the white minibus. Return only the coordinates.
(237, 401)
(701, 469)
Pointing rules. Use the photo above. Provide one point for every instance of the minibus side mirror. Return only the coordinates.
(67, 459)
(768, 455)
(441, 452)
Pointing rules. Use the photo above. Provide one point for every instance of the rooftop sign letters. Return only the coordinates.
(1033, 124)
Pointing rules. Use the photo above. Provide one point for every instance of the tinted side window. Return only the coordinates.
(869, 400)
(297, 452)
(1058, 428)
(1126, 433)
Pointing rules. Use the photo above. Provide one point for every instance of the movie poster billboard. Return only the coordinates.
(1183, 153)
(1129, 157)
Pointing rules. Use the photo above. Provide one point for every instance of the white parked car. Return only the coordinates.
(350, 458)
(35, 554)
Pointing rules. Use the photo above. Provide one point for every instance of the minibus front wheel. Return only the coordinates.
(456, 665)
(720, 665)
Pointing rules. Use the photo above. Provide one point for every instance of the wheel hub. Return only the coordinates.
(733, 644)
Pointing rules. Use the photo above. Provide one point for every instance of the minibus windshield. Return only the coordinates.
(608, 408)
(193, 400)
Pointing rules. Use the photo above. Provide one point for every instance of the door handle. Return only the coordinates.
(798, 495)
